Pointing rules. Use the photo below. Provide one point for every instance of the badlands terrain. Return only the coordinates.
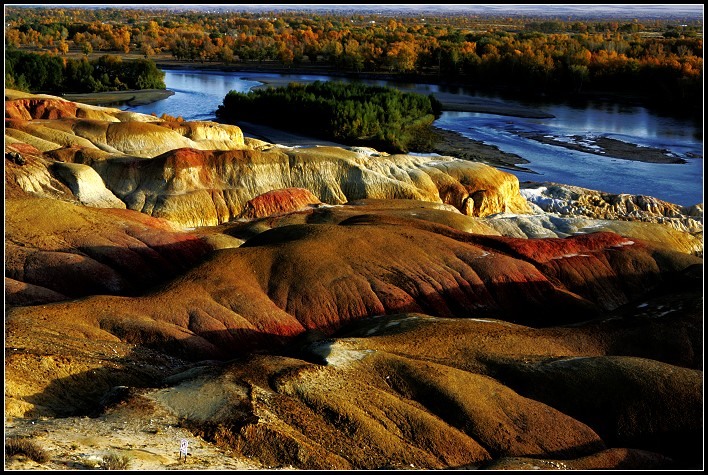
(330, 307)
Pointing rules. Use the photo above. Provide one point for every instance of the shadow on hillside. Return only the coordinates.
(108, 270)
(525, 304)
(117, 379)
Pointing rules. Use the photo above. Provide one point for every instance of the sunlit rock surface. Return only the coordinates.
(570, 200)
(86, 185)
(28, 171)
(71, 250)
(331, 308)
(203, 173)
(278, 201)
(204, 188)
(49, 123)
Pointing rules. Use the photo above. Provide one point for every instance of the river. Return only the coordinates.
(197, 94)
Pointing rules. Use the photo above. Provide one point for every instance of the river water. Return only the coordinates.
(197, 94)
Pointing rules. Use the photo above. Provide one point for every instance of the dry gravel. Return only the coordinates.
(80, 443)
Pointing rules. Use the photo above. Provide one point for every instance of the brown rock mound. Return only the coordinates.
(534, 226)
(392, 391)
(294, 278)
(29, 109)
(632, 402)
(370, 410)
(77, 251)
(414, 391)
(278, 201)
(206, 188)
(21, 293)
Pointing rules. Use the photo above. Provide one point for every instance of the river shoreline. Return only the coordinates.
(607, 147)
(455, 143)
(132, 97)
(450, 102)
(450, 144)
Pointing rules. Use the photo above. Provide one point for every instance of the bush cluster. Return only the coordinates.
(349, 113)
(27, 447)
(113, 461)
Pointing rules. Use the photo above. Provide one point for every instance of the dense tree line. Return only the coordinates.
(661, 59)
(350, 113)
(49, 73)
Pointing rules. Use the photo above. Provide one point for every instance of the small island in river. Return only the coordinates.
(607, 147)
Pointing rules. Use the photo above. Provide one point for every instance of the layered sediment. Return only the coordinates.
(341, 308)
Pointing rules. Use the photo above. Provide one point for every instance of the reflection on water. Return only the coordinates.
(199, 93)
(676, 183)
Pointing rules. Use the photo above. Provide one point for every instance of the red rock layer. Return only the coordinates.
(319, 277)
(76, 251)
(278, 201)
(30, 109)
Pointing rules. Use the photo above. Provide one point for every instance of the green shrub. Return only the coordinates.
(27, 447)
(353, 114)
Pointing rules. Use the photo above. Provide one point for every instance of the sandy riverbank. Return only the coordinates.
(131, 97)
(456, 145)
(608, 147)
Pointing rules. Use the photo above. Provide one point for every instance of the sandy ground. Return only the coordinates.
(80, 443)
(282, 137)
(131, 97)
(609, 147)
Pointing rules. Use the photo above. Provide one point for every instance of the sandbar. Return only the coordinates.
(111, 98)
(608, 147)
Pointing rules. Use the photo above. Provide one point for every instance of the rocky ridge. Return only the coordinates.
(331, 308)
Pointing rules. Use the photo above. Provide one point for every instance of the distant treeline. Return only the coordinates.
(52, 74)
(354, 114)
(659, 59)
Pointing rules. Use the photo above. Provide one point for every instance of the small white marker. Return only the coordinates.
(183, 449)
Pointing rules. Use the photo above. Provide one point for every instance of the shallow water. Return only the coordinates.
(199, 93)
(676, 183)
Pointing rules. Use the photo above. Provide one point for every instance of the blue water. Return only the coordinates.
(199, 93)
(676, 183)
